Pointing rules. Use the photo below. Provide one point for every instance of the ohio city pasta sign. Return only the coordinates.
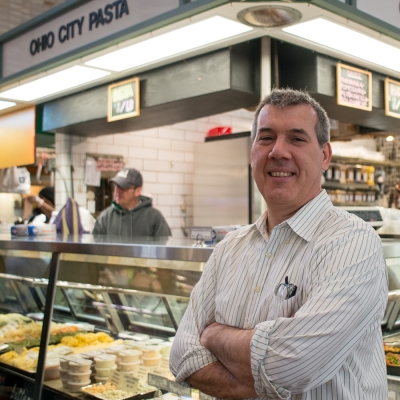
(111, 12)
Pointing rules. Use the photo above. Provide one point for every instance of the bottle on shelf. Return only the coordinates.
(357, 174)
(371, 175)
(342, 178)
(350, 174)
(336, 172)
(364, 174)
(328, 174)
(371, 197)
(358, 196)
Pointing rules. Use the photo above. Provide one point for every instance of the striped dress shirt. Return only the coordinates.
(324, 343)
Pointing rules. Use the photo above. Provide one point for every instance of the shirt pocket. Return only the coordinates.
(281, 308)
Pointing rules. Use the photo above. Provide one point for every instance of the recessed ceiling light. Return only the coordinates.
(169, 44)
(390, 139)
(54, 83)
(348, 41)
(269, 16)
(6, 104)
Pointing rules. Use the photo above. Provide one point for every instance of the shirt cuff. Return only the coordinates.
(193, 361)
(259, 347)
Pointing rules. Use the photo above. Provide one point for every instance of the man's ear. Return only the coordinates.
(327, 155)
(138, 191)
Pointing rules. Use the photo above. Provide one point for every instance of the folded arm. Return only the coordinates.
(232, 348)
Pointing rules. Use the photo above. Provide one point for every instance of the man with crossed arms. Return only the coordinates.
(246, 333)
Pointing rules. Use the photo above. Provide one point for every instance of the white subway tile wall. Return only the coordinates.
(164, 155)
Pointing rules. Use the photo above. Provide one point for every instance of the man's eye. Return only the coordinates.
(298, 139)
(265, 138)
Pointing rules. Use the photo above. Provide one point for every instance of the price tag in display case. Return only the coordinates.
(114, 378)
(176, 388)
(129, 383)
(158, 381)
(142, 374)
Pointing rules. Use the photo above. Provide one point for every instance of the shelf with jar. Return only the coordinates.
(362, 161)
(353, 197)
(349, 184)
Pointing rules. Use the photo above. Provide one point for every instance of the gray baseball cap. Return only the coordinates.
(128, 177)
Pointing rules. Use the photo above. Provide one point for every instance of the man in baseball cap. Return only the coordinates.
(131, 214)
(128, 177)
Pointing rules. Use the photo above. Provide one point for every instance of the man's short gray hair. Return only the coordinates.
(289, 97)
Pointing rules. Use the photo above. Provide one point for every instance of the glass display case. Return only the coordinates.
(89, 285)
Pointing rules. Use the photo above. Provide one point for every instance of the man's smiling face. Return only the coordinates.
(286, 158)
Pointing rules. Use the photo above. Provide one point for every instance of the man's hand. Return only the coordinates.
(232, 348)
(215, 380)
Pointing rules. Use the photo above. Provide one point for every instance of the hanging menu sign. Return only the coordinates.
(354, 87)
(392, 98)
(123, 100)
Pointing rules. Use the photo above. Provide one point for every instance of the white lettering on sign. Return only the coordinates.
(385, 10)
(123, 92)
(354, 87)
(93, 21)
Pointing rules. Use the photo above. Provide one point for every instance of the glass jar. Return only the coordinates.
(364, 174)
(357, 174)
(328, 174)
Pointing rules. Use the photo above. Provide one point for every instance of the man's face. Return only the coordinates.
(127, 198)
(286, 158)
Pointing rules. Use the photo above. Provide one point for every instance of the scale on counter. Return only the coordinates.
(371, 215)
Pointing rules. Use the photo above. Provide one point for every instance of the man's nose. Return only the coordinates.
(280, 148)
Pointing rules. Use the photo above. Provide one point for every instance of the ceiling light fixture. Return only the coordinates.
(170, 44)
(6, 104)
(389, 138)
(269, 16)
(54, 83)
(348, 41)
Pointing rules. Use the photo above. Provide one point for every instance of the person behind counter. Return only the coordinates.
(290, 306)
(131, 214)
(45, 205)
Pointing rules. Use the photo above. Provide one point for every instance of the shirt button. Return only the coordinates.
(287, 241)
(247, 325)
(268, 254)
(257, 289)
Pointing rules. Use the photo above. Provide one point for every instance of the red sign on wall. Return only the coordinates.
(109, 164)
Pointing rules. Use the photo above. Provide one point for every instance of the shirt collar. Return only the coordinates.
(305, 221)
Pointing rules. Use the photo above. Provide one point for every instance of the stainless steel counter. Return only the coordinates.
(161, 249)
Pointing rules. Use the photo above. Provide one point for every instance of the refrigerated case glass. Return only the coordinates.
(21, 333)
(99, 284)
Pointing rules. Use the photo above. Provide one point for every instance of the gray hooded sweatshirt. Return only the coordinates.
(143, 220)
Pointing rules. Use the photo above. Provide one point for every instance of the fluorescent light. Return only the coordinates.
(54, 83)
(172, 43)
(348, 41)
(6, 104)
